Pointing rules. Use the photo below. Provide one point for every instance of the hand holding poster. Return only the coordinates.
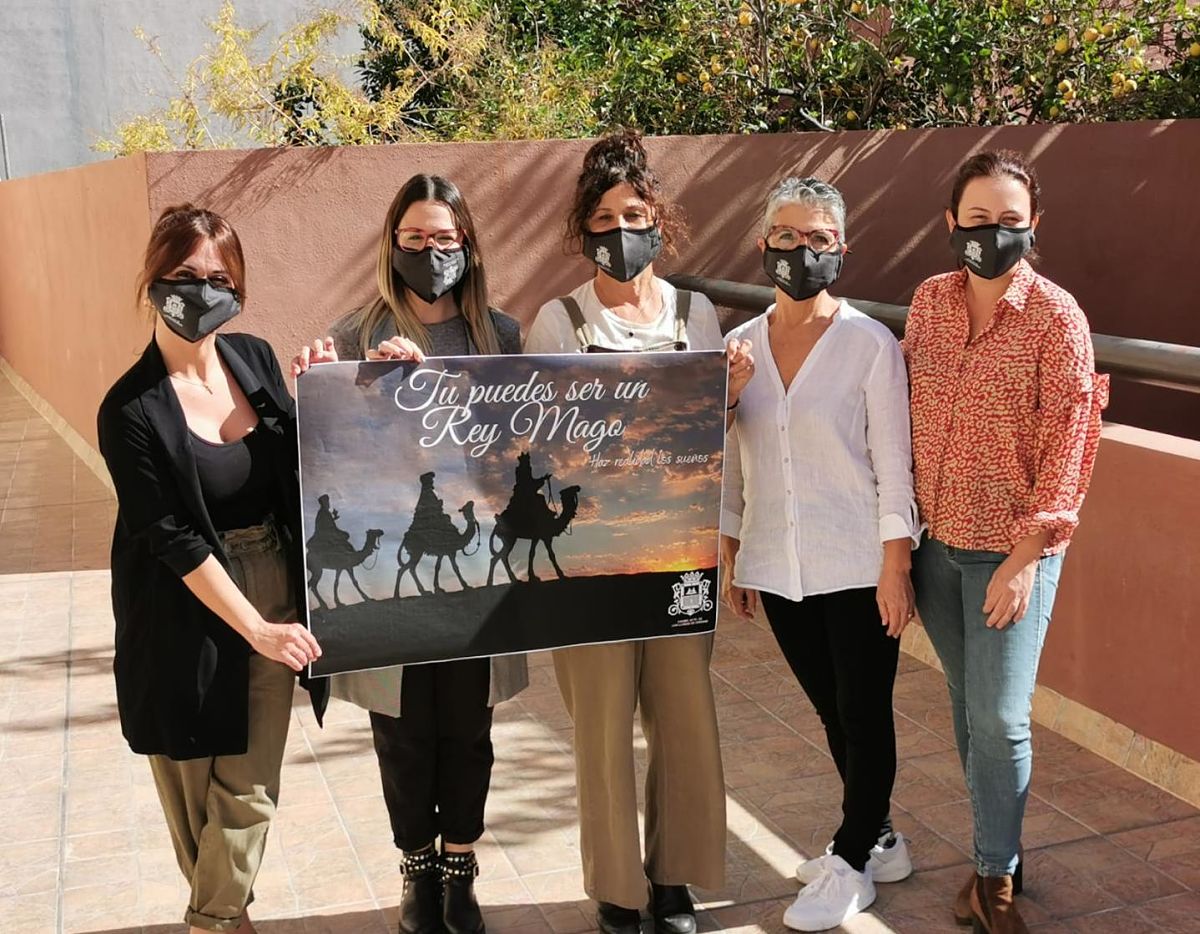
(488, 505)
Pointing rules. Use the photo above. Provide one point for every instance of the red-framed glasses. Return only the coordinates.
(415, 239)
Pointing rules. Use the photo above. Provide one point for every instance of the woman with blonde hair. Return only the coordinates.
(431, 723)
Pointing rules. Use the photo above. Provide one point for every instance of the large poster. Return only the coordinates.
(472, 506)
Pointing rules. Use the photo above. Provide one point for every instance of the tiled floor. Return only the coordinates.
(83, 846)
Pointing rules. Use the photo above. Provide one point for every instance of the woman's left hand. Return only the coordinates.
(397, 348)
(1008, 592)
(741, 368)
(894, 595)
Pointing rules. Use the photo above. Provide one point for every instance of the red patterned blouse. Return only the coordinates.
(1005, 426)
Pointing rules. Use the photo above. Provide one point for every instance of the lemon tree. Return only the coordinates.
(502, 69)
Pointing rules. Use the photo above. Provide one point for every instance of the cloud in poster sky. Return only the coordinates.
(362, 450)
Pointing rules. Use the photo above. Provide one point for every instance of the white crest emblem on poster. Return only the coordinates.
(691, 595)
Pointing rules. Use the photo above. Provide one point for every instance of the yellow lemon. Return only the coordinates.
(1064, 85)
(744, 18)
(1194, 50)
(1054, 112)
(681, 77)
(1091, 34)
(1062, 45)
(1069, 95)
(1108, 29)
(1130, 86)
(707, 87)
(851, 116)
(1132, 42)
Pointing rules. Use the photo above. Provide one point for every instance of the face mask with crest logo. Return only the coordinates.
(621, 252)
(193, 308)
(991, 250)
(802, 272)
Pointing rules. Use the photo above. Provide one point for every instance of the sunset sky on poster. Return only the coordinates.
(363, 450)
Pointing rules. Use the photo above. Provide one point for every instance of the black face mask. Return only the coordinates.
(991, 250)
(802, 272)
(623, 253)
(193, 308)
(431, 272)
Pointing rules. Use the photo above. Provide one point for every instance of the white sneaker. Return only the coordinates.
(833, 898)
(889, 861)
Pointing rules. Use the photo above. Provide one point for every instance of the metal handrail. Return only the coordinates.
(1175, 366)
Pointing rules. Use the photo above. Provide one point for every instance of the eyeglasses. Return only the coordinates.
(415, 239)
(821, 240)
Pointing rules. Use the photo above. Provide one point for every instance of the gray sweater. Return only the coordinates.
(447, 339)
(379, 690)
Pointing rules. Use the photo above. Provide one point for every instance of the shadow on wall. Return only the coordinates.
(1096, 181)
(310, 221)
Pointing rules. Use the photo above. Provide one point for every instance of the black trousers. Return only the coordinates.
(840, 652)
(436, 758)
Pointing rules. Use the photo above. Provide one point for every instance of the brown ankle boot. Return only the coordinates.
(962, 902)
(992, 908)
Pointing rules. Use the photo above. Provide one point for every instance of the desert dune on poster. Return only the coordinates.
(477, 506)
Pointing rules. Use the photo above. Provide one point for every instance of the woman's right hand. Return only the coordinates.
(317, 352)
(397, 348)
(743, 602)
(289, 643)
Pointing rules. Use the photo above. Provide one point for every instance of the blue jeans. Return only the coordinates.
(991, 675)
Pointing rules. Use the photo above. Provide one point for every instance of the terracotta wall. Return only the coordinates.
(1122, 211)
(1122, 216)
(1123, 638)
(70, 248)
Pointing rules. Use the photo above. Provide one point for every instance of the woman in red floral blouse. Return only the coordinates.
(1006, 422)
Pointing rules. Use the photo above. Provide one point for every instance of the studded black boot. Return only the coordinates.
(421, 902)
(460, 910)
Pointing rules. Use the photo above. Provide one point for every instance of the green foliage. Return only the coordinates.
(505, 69)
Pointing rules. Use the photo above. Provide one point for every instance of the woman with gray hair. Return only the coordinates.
(819, 459)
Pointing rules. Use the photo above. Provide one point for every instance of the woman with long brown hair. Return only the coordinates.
(431, 723)
(199, 437)
(620, 220)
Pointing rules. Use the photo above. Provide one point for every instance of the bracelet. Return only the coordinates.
(730, 408)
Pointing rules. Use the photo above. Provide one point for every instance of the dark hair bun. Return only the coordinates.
(617, 153)
(620, 158)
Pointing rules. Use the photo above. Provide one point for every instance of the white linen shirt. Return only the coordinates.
(817, 477)
(552, 331)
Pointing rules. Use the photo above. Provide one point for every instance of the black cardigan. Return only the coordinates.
(182, 673)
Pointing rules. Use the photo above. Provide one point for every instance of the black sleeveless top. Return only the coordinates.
(235, 478)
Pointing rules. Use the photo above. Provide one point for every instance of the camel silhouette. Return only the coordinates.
(545, 529)
(444, 543)
(338, 558)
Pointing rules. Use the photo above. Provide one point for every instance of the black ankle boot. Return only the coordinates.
(672, 908)
(613, 919)
(421, 902)
(460, 910)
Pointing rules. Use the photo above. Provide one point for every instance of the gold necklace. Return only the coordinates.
(194, 382)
